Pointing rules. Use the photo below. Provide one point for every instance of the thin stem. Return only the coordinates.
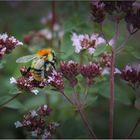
(123, 44)
(70, 101)
(81, 58)
(83, 116)
(134, 128)
(111, 104)
(53, 21)
(86, 123)
(86, 93)
(11, 99)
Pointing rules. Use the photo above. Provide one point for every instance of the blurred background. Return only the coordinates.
(18, 18)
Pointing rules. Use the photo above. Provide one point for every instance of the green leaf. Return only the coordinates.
(133, 51)
(67, 47)
(123, 93)
(14, 104)
(91, 100)
(108, 48)
(100, 49)
(35, 101)
(14, 90)
(2, 62)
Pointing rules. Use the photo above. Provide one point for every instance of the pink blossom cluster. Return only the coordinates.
(7, 44)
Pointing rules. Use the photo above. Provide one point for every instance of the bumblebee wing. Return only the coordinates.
(26, 59)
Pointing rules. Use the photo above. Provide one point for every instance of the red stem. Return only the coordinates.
(8, 101)
(86, 123)
(111, 104)
(82, 114)
(134, 128)
(53, 21)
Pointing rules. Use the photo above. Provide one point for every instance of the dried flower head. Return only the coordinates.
(113, 7)
(133, 20)
(28, 38)
(117, 9)
(86, 42)
(97, 11)
(70, 70)
(35, 122)
(7, 44)
(56, 80)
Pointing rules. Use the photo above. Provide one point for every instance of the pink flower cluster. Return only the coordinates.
(7, 44)
(71, 69)
(35, 122)
(86, 42)
(27, 82)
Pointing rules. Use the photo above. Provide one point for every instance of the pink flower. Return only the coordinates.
(56, 80)
(105, 59)
(70, 70)
(86, 42)
(90, 70)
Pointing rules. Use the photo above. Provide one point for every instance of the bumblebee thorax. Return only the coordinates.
(44, 52)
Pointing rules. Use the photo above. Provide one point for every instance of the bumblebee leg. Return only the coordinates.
(29, 69)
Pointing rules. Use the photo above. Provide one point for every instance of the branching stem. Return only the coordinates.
(86, 123)
(82, 114)
(11, 99)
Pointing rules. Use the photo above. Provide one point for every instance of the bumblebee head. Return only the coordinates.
(45, 52)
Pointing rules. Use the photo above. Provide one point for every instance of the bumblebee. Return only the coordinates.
(43, 62)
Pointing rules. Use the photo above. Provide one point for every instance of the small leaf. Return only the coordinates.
(108, 48)
(14, 104)
(100, 49)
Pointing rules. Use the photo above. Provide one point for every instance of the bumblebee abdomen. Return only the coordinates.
(37, 75)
